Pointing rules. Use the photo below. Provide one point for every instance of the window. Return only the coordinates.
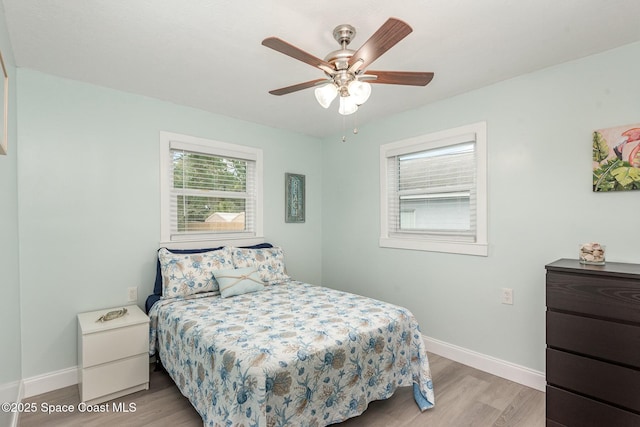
(434, 192)
(210, 191)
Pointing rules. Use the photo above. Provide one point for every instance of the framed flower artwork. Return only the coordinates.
(616, 158)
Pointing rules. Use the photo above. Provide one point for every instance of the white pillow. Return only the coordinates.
(238, 281)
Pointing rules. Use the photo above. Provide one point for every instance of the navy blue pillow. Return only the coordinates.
(151, 299)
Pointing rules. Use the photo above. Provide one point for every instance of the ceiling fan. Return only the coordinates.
(346, 72)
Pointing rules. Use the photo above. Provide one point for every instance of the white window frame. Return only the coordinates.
(170, 140)
(426, 142)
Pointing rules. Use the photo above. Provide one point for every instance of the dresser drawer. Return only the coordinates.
(567, 409)
(105, 346)
(616, 342)
(98, 381)
(599, 296)
(601, 380)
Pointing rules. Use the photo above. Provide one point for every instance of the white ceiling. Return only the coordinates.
(207, 53)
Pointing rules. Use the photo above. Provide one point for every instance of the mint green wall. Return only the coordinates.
(10, 357)
(88, 180)
(540, 204)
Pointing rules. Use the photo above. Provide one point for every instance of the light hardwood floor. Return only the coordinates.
(464, 397)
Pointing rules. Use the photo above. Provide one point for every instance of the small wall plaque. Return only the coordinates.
(294, 197)
(4, 105)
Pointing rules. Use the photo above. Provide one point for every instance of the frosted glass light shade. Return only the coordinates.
(326, 94)
(359, 91)
(347, 105)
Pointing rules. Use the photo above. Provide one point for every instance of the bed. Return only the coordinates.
(253, 347)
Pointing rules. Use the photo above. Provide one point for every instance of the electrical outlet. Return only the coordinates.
(507, 296)
(132, 294)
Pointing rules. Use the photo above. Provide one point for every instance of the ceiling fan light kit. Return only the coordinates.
(345, 69)
(359, 91)
(326, 94)
(347, 105)
(352, 96)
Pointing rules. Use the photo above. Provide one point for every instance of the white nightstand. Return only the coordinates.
(113, 356)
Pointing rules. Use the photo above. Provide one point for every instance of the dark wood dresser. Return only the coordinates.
(593, 344)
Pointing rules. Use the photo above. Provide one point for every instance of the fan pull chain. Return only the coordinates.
(355, 123)
(344, 126)
(344, 129)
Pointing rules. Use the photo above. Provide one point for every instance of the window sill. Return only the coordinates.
(478, 249)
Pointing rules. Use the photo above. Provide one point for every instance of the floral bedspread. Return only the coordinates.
(292, 354)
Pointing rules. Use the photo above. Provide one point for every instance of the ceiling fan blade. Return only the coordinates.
(296, 53)
(390, 33)
(409, 78)
(299, 86)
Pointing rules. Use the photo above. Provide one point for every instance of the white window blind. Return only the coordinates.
(210, 191)
(211, 194)
(433, 192)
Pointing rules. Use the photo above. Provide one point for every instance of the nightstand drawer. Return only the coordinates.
(598, 296)
(601, 380)
(105, 379)
(113, 344)
(616, 342)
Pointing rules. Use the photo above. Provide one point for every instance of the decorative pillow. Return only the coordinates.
(268, 261)
(238, 281)
(188, 274)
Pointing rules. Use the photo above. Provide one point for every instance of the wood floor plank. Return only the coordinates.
(500, 394)
(524, 408)
(464, 397)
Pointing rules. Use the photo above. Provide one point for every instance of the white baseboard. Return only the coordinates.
(50, 381)
(11, 392)
(483, 362)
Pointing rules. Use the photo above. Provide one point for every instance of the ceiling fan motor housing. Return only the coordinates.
(340, 58)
